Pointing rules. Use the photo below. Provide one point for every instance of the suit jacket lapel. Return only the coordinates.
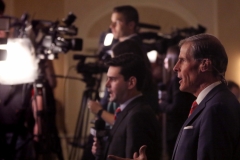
(202, 105)
(124, 113)
(198, 111)
(119, 120)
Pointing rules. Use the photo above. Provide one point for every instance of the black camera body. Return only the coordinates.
(56, 37)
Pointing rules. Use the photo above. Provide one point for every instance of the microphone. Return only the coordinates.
(99, 132)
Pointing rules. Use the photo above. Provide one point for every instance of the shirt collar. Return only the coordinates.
(128, 37)
(122, 106)
(205, 91)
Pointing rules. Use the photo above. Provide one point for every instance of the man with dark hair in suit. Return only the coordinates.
(149, 92)
(136, 124)
(124, 23)
(212, 130)
(123, 26)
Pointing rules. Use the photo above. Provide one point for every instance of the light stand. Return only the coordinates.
(47, 135)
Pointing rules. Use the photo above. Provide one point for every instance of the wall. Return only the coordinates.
(220, 17)
(229, 26)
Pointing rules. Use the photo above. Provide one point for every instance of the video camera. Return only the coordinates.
(49, 38)
(90, 70)
(163, 41)
(53, 37)
(28, 43)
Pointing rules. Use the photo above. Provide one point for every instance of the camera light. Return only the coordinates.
(51, 56)
(3, 46)
(108, 39)
(152, 56)
(21, 65)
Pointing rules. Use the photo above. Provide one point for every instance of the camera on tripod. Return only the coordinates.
(90, 70)
(161, 42)
(57, 37)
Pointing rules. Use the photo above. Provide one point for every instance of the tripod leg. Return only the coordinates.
(80, 133)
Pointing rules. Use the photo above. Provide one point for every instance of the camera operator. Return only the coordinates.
(124, 25)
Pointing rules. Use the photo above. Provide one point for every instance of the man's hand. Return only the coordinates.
(96, 148)
(142, 155)
(94, 106)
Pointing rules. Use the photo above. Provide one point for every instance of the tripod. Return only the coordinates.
(81, 132)
(47, 140)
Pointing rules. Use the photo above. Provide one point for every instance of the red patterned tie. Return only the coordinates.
(194, 105)
(117, 111)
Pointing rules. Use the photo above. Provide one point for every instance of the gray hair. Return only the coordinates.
(208, 46)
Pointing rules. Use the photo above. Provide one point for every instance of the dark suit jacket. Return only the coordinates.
(135, 126)
(212, 132)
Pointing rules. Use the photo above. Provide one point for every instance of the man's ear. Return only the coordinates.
(132, 82)
(206, 65)
(132, 25)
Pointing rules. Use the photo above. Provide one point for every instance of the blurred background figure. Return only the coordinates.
(234, 88)
(176, 104)
(123, 26)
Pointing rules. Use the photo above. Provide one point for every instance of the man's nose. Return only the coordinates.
(175, 68)
(113, 25)
(107, 84)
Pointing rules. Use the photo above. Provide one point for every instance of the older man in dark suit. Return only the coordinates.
(212, 130)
